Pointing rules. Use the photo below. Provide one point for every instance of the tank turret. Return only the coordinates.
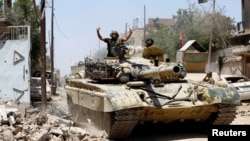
(129, 66)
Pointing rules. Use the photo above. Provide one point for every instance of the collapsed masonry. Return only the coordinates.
(20, 123)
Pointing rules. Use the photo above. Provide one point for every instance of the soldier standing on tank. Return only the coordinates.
(113, 41)
(149, 42)
(152, 52)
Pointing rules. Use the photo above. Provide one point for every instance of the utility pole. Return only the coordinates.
(181, 37)
(211, 35)
(43, 54)
(99, 45)
(52, 51)
(144, 24)
(126, 29)
(211, 38)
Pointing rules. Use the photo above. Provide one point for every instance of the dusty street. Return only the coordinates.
(182, 132)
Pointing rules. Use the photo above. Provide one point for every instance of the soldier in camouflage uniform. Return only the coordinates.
(151, 51)
(113, 41)
(149, 42)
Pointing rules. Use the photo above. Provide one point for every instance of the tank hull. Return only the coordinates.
(118, 108)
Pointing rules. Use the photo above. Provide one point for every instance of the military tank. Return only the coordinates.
(121, 92)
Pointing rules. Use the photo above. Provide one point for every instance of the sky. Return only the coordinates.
(75, 22)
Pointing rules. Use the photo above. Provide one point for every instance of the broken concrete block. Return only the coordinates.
(60, 120)
(52, 121)
(29, 112)
(77, 130)
(7, 135)
(41, 118)
(55, 138)
(46, 126)
(1, 136)
(10, 110)
(18, 114)
(62, 126)
(56, 131)
(3, 114)
(26, 129)
(12, 120)
(73, 138)
(19, 120)
(82, 136)
(41, 135)
(16, 129)
(87, 138)
(20, 136)
(33, 126)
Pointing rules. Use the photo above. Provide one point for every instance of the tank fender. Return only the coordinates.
(124, 100)
(218, 95)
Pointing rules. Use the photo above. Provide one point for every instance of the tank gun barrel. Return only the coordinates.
(164, 71)
(148, 73)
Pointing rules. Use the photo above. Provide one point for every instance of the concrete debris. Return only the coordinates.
(3, 115)
(38, 135)
(243, 110)
(56, 132)
(35, 125)
(244, 113)
(6, 135)
(60, 120)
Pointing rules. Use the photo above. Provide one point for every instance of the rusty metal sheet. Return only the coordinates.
(194, 44)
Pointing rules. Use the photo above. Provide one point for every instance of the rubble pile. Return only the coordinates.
(30, 124)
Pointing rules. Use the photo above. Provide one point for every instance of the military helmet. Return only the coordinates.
(114, 32)
(209, 73)
(149, 39)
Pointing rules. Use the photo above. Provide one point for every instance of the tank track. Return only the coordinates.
(124, 123)
(226, 114)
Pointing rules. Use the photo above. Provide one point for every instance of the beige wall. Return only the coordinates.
(232, 63)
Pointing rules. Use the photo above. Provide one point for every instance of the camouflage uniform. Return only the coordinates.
(111, 44)
(153, 52)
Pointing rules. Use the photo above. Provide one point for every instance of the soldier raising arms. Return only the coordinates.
(113, 41)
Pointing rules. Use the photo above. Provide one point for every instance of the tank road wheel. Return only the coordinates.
(226, 114)
(124, 123)
(115, 125)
